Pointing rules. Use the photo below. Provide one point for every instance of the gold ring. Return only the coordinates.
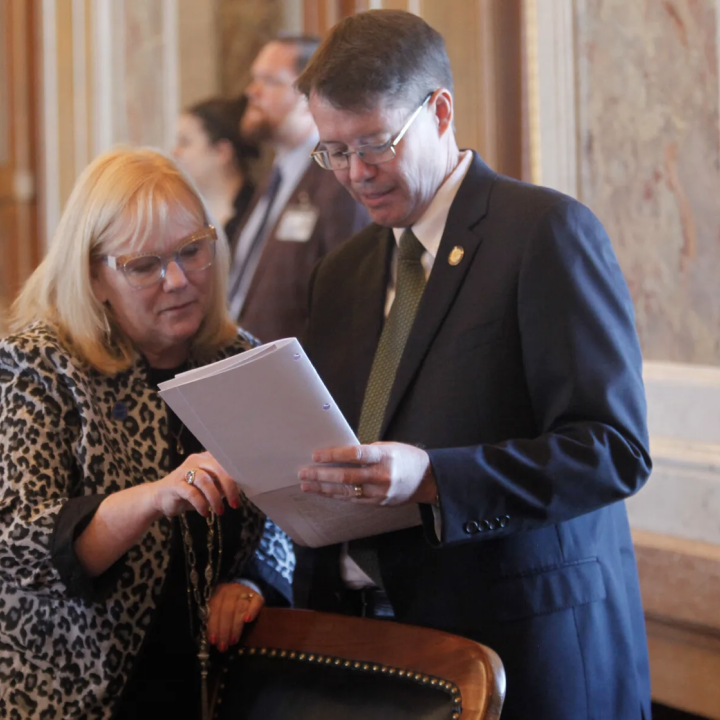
(358, 491)
(190, 477)
(247, 596)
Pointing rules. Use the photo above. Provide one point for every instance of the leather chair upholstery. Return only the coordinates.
(300, 664)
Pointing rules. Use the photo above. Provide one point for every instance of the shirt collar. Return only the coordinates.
(430, 227)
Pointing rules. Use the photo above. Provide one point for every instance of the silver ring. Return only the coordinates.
(358, 491)
(247, 596)
(190, 477)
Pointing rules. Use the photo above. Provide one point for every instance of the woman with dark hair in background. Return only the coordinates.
(212, 151)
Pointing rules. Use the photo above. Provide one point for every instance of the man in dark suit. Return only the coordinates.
(480, 337)
(299, 213)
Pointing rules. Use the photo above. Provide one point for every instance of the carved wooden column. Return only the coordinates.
(97, 90)
(19, 250)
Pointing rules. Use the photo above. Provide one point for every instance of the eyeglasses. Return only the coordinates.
(369, 154)
(142, 270)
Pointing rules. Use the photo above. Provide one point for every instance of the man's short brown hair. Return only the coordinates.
(379, 54)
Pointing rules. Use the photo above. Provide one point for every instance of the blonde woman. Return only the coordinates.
(110, 513)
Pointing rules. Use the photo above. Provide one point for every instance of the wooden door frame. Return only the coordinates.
(19, 241)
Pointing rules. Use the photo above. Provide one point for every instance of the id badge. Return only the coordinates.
(297, 223)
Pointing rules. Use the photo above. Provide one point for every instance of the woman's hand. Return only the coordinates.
(231, 606)
(123, 517)
(200, 483)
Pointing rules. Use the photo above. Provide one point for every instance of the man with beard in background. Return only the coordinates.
(300, 212)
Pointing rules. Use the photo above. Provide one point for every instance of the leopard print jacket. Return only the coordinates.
(63, 656)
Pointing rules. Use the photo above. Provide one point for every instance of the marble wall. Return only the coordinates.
(145, 93)
(244, 27)
(198, 50)
(649, 161)
(110, 75)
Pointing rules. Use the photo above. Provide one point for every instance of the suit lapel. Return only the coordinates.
(468, 208)
(304, 186)
(371, 281)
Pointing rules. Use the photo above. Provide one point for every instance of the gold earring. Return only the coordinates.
(106, 322)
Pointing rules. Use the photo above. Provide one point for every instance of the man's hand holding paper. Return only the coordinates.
(384, 473)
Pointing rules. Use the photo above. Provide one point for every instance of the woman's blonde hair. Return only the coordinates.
(125, 196)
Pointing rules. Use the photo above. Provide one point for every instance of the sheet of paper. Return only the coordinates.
(262, 414)
(316, 521)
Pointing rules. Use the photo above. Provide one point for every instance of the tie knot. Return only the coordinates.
(410, 249)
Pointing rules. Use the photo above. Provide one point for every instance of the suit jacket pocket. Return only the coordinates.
(482, 334)
(547, 591)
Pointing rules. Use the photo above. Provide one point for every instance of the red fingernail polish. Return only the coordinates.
(222, 647)
(248, 618)
(235, 504)
(213, 639)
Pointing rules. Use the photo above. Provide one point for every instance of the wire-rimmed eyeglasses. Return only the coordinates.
(194, 253)
(369, 154)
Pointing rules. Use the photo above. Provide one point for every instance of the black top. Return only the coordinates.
(166, 681)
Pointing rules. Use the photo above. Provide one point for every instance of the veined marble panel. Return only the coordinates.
(649, 133)
(245, 26)
(144, 61)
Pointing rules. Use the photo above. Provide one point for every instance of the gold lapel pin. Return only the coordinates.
(456, 255)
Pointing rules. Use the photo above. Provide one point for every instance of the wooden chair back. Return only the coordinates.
(469, 672)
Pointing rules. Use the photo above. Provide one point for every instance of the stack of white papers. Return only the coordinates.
(261, 414)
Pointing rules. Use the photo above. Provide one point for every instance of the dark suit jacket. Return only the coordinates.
(522, 378)
(276, 303)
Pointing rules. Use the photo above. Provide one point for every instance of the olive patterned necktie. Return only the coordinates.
(409, 289)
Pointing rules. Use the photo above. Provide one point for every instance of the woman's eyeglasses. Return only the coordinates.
(193, 254)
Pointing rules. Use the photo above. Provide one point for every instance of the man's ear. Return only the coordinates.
(443, 110)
